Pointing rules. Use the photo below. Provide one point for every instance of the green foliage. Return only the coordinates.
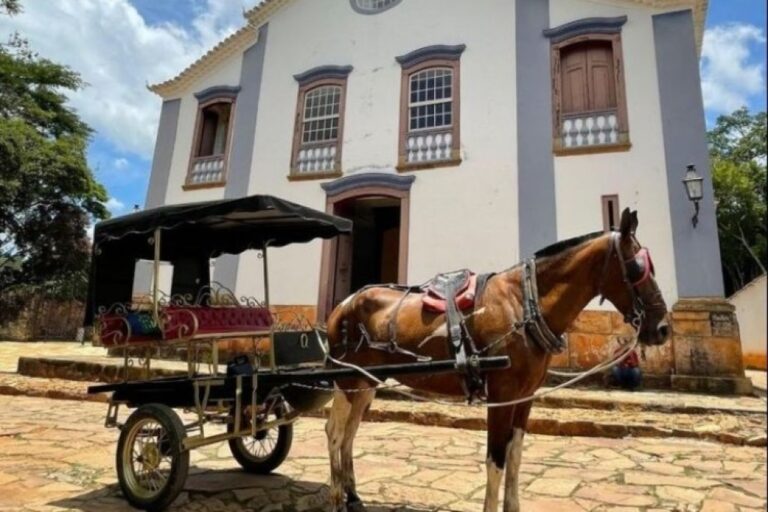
(10, 7)
(48, 194)
(738, 154)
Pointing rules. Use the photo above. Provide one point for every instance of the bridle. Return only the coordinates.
(634, 272)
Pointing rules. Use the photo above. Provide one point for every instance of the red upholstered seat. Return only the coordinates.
(181, 322)
(465, 298)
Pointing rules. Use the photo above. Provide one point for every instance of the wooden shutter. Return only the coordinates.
(601, 83)
(587, 76)
(573, 63)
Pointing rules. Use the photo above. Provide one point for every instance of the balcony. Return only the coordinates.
(206, 171)
(316, 161)
(434, 146)
(590, 129)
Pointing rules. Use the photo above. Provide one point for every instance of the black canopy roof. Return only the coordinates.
(211, 228)
(191, 234)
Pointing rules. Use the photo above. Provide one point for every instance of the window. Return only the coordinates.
(589, 106)
(429, 111)
(213, 133)
(318, 131)
(610, 207)
(373, 6)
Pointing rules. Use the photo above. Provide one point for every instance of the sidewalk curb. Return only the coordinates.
(78, 370)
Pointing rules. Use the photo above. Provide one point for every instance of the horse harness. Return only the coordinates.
(447, 285)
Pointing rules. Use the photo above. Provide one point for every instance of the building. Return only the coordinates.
(454, 133)
(750, 304)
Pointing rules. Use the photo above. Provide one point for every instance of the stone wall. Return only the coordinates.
(703, 354)
(43, 319)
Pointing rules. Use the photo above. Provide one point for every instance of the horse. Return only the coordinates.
(566, 275)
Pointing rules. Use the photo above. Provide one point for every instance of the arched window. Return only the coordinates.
(214, 127)
(429, 109)
(373, 6)
(212, 138)
(319, 123)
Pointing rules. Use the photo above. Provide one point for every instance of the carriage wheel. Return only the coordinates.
(265, 451)
(152, 465)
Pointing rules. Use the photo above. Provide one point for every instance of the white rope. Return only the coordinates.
(595, 369)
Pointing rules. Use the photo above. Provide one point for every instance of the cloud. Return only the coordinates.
(120, 163)
(114, 205)
(729, 77)
(117, 53)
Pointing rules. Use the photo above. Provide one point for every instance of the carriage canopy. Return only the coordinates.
(191, 234)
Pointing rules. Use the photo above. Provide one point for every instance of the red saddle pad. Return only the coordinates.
(464, 300)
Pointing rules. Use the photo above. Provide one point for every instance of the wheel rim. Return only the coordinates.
(147, 461)
(260, 446)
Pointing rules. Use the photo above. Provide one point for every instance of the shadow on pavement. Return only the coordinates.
(229, 490)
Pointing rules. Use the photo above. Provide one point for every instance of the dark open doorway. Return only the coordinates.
(372, 254)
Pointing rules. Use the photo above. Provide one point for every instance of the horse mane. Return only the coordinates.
(558, 247)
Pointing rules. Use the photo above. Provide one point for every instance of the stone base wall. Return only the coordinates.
(703, 354)
(43, 319)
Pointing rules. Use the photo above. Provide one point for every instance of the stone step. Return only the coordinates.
(107, 369)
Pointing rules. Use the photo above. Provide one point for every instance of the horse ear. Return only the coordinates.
(633, 229)
(626, 223)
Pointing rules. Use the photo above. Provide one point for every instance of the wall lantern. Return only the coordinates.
(695, 190)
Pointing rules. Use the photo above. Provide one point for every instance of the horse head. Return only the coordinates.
(629, 283)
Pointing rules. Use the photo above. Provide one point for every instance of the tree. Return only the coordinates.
(738, 154)
(48, 194)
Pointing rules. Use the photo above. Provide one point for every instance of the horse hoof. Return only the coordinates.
(355, 504)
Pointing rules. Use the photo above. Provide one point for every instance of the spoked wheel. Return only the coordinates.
(152, 465)
(265, 451)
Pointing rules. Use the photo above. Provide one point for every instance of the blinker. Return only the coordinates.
(640, 268)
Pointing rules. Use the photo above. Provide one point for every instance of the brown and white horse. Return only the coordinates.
(569, 275)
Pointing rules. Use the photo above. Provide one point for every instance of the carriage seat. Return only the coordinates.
(183, 322)
(435, 297)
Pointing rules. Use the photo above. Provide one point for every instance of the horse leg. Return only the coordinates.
(360, 402)
(499, 422)
(334, 429)
(514, 456)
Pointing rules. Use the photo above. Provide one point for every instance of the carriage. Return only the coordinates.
(282, 368)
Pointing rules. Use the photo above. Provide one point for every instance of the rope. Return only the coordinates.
(581, 376)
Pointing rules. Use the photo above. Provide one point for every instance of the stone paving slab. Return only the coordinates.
(56, 455)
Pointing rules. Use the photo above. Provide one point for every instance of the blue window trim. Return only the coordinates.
(218, 91)
(585, 26)
(322, 73)
(367, 179)
(436, 51)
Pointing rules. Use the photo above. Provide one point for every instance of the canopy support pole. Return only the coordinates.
(156, 280)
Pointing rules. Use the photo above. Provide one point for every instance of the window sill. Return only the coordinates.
(314, 176)
(589, 150)
(420, 166)
(197, 186)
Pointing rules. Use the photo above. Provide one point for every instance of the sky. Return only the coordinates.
(120, 46)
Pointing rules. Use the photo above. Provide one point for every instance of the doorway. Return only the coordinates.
(377, 250)
(372, 253)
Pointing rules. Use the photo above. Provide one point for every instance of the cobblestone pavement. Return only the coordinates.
(55, 454)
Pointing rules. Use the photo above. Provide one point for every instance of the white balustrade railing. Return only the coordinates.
(428, 147)
(591, 129)
(316, 159)
(207, 169)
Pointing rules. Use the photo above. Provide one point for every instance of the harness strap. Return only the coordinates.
(535, 325)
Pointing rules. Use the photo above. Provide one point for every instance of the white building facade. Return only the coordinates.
(454, 133)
